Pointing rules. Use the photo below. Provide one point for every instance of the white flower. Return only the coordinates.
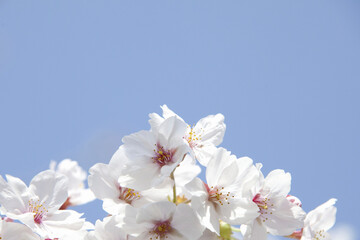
(165, 220)
(103, 181)
(153, 155)
(319, 221)
(220, 198)
(278, 214)
(38, 206)
(77, 194)
(16, 231)
(107, 230)
(203, 137)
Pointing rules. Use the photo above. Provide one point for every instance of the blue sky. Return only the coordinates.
(76, 76)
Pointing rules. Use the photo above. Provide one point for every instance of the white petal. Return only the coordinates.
(16, 231)
(212, 128)
(108, 229)
(26, 218)
(155, 121)
(186, 171)
(216, 166)
(171, 133)
(81, 196)
(16, 184)
(142, 178)
(127, 222)
(209, 235)
(211, 219)
(159, 211)
(113, 207)
(204, 153)
(103, 180)
(246, 169)
(197, 188)
(14, 196)
(323, 217)
(119, 158)
(239, 211)
(254, 231)
(277, 183)
(167, 112)
(175, 235)
(51, 188)
(73, 171)
(156, 194)
(186, 222)
(139, 146)
(63, 222)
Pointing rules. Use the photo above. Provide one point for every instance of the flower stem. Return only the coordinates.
(173, 178)
(174, 187)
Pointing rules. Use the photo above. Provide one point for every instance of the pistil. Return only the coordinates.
(161, 230)
(128, 195)
(162, 156)
(265, 206)
(217, 195)
(39, 210)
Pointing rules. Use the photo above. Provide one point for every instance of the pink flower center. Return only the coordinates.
(128, 195)
(162, 156)
(217, 195)
(161, 230)
(39, 210)
(265, 205)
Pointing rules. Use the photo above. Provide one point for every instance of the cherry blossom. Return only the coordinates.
(202, 138)
(38, 206)
(151, 190)
(153, 155)
(318, 222)
(219, 198)
(278, 214)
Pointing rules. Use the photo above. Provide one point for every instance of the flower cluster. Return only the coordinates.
(151, 191)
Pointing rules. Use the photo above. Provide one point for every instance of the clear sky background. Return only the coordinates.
(76, 76)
